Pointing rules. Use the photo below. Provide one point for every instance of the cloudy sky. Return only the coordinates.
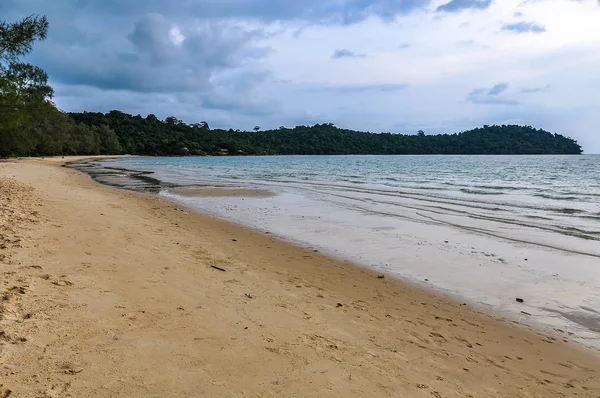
(377, 65)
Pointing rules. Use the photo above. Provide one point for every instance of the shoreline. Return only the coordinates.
(154, 185)
(124, 263)
(571, 316)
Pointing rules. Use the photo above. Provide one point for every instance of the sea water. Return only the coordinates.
(487, 229)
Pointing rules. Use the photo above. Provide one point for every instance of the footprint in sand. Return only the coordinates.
(62, 281)
(5, 392)
(57, 390)
(438, 337)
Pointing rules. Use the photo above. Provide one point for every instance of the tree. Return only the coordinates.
(24, 89)
(27, 82)
(16, 39)
(20, 83)
(109, 142)
(50, 131)
(257, 128)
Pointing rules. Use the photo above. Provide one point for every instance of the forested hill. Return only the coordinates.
(151, 136)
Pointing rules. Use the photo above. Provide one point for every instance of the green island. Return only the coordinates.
(31, 125)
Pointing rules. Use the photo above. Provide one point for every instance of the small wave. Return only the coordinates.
(595, 218)
(578, 230)
(500, 187)
(569, 211)
(479, 192)
(592, 216)
(555, 197)
(538, 217)
(587, 194)
(429, 188)
(352, 176)
(483, 187)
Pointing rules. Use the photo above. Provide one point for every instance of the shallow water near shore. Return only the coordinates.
(489, 229)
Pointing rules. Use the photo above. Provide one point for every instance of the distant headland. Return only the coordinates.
(137, 135)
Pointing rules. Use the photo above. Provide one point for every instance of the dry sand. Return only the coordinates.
(108, 293)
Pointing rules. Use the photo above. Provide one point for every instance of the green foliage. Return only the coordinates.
(25, 96)
(30, 124)
(27, 82)
(16, 39)
(109, 142)
(150, 136)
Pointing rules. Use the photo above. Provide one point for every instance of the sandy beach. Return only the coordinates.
(114, 293)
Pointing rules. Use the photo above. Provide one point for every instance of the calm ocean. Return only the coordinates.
(484, 228)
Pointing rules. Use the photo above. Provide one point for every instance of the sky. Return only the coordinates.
(441, 66)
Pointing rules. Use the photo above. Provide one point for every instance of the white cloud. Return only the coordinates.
(176, 36)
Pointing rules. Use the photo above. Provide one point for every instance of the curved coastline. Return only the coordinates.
(548, 311)
(119, 285)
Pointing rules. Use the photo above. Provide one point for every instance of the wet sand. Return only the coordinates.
(108, 292)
